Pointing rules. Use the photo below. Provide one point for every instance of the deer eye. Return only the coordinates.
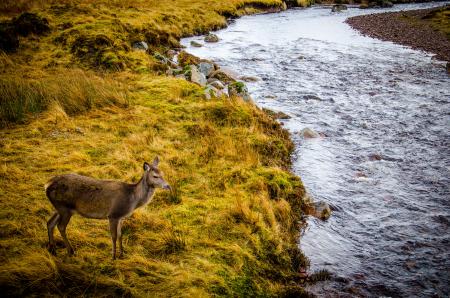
(154, 176)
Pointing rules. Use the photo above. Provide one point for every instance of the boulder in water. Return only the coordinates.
(308, 133)
(338, 7)
(321, 210)
(211, 37)
(196, 44)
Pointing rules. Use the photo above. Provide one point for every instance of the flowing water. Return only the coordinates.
(384, 161)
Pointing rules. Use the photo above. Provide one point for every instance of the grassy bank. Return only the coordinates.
(79, 99)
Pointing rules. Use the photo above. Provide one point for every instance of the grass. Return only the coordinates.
(231, 225)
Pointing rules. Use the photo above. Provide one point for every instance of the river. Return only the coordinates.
(383, 162)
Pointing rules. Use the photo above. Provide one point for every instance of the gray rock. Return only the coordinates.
(217, 84)
(196, 44)
(180, 76)
(322, 210)
(210, 92)
(308, 133)
(206, 68)
(223, 76)
(338, 7)
(249, 79)
(211, 37)
(140, 45)
(311, 97)
(197, 77)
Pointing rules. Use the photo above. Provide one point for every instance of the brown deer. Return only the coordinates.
(100, 199)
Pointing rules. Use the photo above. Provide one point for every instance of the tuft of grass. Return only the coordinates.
(75, 91)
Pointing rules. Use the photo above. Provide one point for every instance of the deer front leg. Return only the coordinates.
(113, 227)
(119, 235)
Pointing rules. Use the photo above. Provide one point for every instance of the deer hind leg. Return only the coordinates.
(114, 227)
(62, 224)
(51, 224)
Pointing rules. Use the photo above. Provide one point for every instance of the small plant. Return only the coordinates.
(174, 242)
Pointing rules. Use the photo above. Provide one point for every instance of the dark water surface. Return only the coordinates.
(389, 233)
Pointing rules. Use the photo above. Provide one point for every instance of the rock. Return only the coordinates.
(160, 57)
(364, 6)
(222, 76)
(171, 53)
(448, 67)
(375, 157)
(313, 97)
(210, 92)
(28, 23)
(196, 44)
(9, 41)
(197, 77)
(181, 76)
(79, 130)
(321, 210)
(276, 115)
(338, 7)
(308, 133)
(140, 45)
(239, 89)
(386, 4)
(211, 38)
(206, 68)
(217, 84)
(249, 79)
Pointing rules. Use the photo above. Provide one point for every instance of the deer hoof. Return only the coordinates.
(51, 249)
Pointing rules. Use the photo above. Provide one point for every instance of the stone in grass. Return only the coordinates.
(211, 37)
(206, 68)
(197, 77)
(217, 84)
(140, 45)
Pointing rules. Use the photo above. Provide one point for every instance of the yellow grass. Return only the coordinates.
(230, 227)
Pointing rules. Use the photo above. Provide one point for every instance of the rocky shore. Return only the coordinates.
(425, 29)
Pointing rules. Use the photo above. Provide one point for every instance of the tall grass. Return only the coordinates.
(75, 91)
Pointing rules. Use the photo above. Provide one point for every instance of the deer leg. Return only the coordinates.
(119, 235)
(113, 227)
(51, 224)
(62, 224)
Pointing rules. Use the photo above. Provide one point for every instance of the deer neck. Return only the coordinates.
(143, 192)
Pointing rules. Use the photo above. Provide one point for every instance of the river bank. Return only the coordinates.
(88, 94)
(426, 29)
(380, 159)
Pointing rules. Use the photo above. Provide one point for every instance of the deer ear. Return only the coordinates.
(155, 161)
(146, 167)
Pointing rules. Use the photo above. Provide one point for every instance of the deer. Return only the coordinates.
(99, 199)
